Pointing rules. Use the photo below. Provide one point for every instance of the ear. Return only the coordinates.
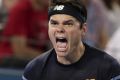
(84, 29)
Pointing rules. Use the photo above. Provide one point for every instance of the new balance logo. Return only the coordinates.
(59, 7)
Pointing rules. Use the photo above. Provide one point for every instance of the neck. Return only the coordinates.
(74, 56)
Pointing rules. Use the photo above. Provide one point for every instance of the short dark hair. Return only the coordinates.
(76, 3)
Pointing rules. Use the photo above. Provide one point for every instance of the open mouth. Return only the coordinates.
(62, 40)
(61, 43)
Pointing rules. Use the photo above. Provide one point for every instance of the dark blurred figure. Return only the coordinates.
(25, 33)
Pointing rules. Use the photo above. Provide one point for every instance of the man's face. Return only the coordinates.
(65, 33)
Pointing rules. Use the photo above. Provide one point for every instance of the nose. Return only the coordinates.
(60, 29)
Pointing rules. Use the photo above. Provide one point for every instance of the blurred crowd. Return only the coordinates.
(23, 29)
(24, 33)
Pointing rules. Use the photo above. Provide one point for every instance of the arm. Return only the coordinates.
(21, 50)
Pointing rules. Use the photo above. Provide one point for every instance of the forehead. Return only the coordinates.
(62, 17)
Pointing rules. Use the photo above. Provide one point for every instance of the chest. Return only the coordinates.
(78, 71)
(73, 74)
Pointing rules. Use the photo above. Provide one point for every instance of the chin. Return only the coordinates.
(61, 53)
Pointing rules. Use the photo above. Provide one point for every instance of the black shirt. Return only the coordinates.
(94, 64)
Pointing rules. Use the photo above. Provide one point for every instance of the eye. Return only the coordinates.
(53, 23)
(68, 24)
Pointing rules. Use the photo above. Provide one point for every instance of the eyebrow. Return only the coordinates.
(67, 21)
(53, 20)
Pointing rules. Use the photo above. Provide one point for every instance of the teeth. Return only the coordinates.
(61, 39)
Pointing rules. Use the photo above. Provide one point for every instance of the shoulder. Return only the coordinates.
(36, 65)
(107, 65)
(100, 54)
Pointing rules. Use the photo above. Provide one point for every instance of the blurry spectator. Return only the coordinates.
(113, 47)
(5, 7)
(25, 34)
(97, 34)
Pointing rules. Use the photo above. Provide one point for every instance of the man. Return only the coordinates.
(70, 59)
(25, 35)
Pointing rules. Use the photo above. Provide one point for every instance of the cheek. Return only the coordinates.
(75, 36)
(51, 34)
